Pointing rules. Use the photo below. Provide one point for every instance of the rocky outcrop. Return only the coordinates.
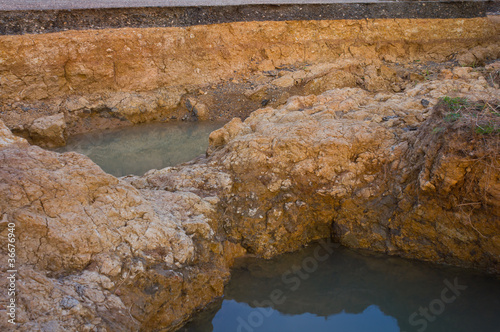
(93, 252)
(362, 168)
(399, 173)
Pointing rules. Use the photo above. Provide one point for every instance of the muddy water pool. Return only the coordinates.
(138, 149)
(351, 291)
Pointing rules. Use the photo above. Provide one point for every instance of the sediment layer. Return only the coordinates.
(46, 21)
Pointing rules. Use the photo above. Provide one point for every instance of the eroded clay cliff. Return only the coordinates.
(116, 77)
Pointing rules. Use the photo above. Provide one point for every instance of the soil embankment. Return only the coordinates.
(393, 147)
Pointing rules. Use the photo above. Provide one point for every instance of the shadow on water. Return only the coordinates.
(352, 291)
(138, 149)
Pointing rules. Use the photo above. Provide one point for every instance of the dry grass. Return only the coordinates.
(477, 124)
(481, 117)
(471, 129)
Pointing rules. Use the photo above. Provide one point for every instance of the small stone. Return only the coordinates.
(257, 93)
(49, 131)
(266, 65)
(68, 302)
(387, 72)
(387, 118)
(416, 77)
(284, 82)
(199, 110)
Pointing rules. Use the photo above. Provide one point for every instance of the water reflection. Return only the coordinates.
(137, 149)
(352, 291)
(371, 319)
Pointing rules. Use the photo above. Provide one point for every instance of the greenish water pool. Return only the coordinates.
(351, 291)
(136, 150)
